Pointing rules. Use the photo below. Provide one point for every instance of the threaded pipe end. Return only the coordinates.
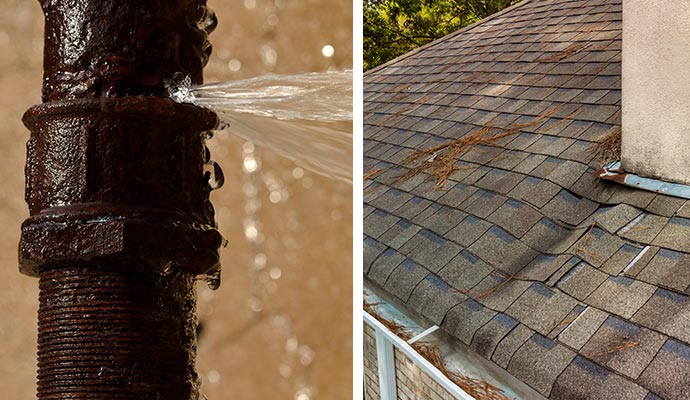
(116, 332)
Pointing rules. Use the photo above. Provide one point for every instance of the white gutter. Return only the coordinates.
(383, 333)
(385, 359)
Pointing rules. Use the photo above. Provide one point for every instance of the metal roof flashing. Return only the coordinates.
(613, 171)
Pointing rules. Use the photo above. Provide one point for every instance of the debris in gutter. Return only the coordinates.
(480, 389)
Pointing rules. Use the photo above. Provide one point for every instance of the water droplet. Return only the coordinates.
(212, 278)
(206, 136)
(307, 183)
(218, 175)
(328, 51)
(260, 261)
(297, 173)
(248, 147)
(285, 370)
(253, 205)
(251, 232)
(213, 376)
(213, 174)
(272, 20)
(268, 55)
(223, 53)
(234, 65)
(255, 304)
(222, 125)
(208, 21)
(279, 321)
(275, 273)
(291, 345)
(249, 4)
(275, 197)
(302, 395)
(207, 48)
(306, 355)
(250, 164)
(103, 371)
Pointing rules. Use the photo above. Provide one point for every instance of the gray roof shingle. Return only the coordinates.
(668, 374)
(640, 345)
(547, 360)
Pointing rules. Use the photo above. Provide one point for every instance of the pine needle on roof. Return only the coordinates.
(614, 346)
(565, 53)
(372, 174)
(441, 161)
(609, 148)
(505, 279)
(584, 242)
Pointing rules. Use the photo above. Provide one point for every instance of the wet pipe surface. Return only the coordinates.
(120, 218)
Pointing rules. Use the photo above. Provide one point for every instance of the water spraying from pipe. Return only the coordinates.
(306, 117)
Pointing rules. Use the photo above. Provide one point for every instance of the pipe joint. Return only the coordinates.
(115, 180)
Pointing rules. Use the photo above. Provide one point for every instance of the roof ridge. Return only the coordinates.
(457, 32)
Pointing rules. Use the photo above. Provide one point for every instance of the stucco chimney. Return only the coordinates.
(656, 89)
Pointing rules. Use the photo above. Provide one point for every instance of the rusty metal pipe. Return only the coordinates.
(120, 219)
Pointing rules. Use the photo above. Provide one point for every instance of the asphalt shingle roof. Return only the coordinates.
(577, 286)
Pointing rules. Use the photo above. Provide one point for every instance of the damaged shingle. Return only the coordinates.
(546, 359)
(541, 308)
(624, 347)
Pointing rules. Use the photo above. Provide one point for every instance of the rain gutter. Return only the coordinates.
(385, 340)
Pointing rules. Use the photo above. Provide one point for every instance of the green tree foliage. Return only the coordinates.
(394, 27)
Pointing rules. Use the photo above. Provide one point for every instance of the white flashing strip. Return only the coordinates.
(573, 322)
(420, 361)
(423, 334)
(632, 223)
(636, 259)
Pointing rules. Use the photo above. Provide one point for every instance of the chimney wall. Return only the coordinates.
(656, 89)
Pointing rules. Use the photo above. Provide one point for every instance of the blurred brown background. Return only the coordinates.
(280, 325)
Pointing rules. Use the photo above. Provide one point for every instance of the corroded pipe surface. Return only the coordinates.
(120, 219)
(116, 332)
